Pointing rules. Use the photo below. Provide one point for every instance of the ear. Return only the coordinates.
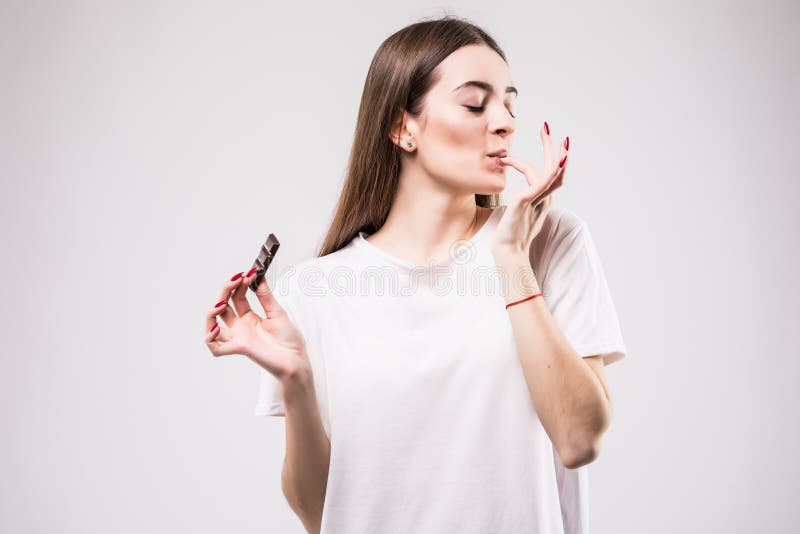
(401, 131)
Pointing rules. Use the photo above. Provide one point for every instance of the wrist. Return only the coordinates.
(517, 276)
(297, 381)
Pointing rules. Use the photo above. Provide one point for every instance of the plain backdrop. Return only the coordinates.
(148, 148)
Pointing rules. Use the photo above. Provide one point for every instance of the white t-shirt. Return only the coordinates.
(421, 391)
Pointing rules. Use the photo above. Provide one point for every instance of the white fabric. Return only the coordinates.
(421, 390)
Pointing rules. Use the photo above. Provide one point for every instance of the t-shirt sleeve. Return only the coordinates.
(270, 401)
(577, 293)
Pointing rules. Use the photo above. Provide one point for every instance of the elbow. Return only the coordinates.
(308, 511)
(579, 456)
(586, 448)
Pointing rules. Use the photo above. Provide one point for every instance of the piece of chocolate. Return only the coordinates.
(264, 259)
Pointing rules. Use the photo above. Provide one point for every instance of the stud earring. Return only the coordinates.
(409, 144)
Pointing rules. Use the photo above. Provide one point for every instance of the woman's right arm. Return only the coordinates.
(308, 451)
(275, 343)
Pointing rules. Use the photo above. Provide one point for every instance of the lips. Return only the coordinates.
(496, 153)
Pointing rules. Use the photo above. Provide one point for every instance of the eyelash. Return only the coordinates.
(480, 109)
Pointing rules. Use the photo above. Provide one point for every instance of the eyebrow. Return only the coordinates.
(485, 86)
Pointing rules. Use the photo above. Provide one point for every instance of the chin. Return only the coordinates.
(493, 186)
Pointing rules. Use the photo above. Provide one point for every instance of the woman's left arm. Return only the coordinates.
(569, 396)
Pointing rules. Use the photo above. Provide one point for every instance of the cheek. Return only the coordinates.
(456, 140)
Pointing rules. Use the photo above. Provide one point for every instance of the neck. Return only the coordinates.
(425, 222)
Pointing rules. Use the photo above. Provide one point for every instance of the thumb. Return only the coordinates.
(269, 303)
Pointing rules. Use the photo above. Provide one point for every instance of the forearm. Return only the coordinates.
(305, 470)
(567, 395)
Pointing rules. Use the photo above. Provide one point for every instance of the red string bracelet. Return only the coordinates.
(523, 300)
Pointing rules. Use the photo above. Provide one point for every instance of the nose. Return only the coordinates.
(502, 123)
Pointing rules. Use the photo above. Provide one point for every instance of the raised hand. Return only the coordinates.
(525, 213)
(273, 341)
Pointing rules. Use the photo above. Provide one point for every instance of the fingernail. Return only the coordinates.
(561, 163)
(236, 277)
(214, 327)
(546, 128)
(566, 143)
(220, 303)
(250, 272)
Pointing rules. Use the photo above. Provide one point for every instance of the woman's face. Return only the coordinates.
(462, 123)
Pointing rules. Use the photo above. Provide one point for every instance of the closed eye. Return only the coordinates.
(479, 109)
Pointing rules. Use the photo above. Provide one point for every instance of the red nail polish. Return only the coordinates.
(561, 164)
(214, 327)
(236, 277)
(220, 303)
(250, 272)
(546, 128)
(566, 143)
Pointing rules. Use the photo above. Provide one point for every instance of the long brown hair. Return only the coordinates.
(400, 75)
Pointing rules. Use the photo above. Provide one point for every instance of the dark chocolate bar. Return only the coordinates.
(264, 259)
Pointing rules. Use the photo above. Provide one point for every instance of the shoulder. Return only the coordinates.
(561, 225)
(561, 238)
(309, 276)
(562, 222)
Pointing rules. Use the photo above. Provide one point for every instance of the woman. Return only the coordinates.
(448, 405)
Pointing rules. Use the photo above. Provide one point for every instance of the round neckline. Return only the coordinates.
(407, 266)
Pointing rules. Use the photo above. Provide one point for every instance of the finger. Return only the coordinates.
(527, 169)
(269, 303)
(211, 324)
(557, 176)
(227, 312)
(239, 295)
(547, 143)
(563, 149)
(216, 341)
(549, 189)
(554, 183)
(213, 330)
(556, 172)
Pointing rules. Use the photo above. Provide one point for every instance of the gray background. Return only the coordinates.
(147, 148)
